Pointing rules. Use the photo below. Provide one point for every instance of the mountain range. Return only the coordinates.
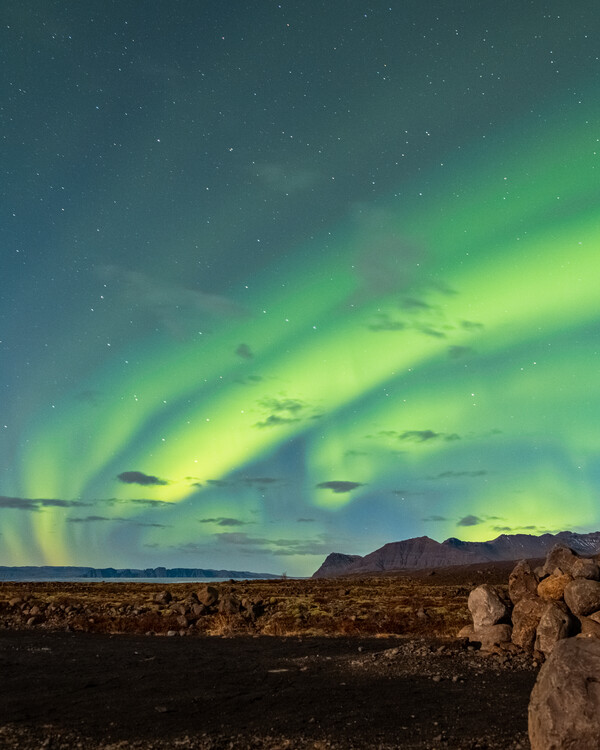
(423, 552)
(61, 573)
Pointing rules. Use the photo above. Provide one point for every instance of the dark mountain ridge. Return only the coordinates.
(423, 552)
(57, 573)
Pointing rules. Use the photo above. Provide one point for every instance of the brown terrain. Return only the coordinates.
(368, 662)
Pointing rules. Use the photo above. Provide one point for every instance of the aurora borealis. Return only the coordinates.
(287, 278)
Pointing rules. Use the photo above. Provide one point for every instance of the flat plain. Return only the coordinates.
(320, 663)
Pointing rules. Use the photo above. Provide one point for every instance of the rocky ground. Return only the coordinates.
(346, 663)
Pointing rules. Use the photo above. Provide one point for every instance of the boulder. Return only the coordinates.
(522, 582)
(564, 709)
(555, 624)
(526, 618)
(584, 567)
(229, 605)
(486, 607)
(582, 596)
(589, 628)
(208, 595)
(491, 636)
(163, 597)
(552, 588)
(560, 556)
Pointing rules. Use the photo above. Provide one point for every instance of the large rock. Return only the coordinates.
(589, 628)
(560, 556)
(522, 582)
(208, 595)
(526, 618)
(553, 587)
(583, 596)
(491, 636)
(583, 567)
(486, 607)
(555, 624)
(564, 709)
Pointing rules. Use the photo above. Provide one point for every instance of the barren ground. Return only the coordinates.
(344, 663)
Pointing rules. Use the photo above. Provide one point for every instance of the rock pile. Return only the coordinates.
(557, 600)
(162, 612)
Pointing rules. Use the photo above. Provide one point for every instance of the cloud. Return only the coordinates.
(223, 521)
(470, 521)
(305, 520)
(250, 380)
(459, 474)
(384, 322)
(423, 436)
(470, 325)
(435, 518)
(35, 505)
(285, 410)
(457, 352)
(177, 307)
(339, 486)
(280, 547)
(244, 351)
(274, 421)
(95, 519)
(138, 477)
(136, 501)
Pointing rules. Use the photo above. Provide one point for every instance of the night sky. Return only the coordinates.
(286, 278)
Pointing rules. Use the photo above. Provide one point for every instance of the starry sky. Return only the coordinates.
(282, 278)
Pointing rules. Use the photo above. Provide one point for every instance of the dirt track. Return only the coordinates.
(64, 690)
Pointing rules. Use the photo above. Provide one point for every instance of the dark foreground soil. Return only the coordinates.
(64, 690)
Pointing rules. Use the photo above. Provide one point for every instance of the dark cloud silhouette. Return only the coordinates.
(273, 420)
(37, 504)
(339, 486)
(284, 410)
(244, 351)
(217, 482)
(470, 325)
(459, 474)
(223, 521)
(420, 436)
(138, 477)
(412, 303)
(429, 330)
(136, 501)
(117, 519)
(469, 521)
(435, 518)
(305, 520)
(384, 322)
(250, 380)
(457, 352)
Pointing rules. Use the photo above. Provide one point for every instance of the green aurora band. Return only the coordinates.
(467, 355)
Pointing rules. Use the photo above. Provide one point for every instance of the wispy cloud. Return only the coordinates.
(339, 486)
(115, 519)
(470, 521)
(223, 521)
(244, 351)
(37, 504)
(138, 477)
(459, 474)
